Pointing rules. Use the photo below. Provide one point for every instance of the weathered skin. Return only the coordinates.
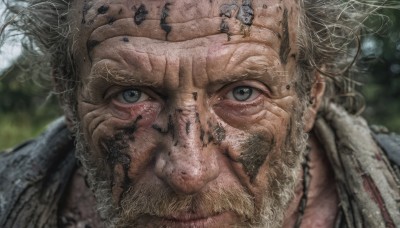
(187, 132)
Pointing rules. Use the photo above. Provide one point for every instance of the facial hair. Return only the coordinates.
(146, 199)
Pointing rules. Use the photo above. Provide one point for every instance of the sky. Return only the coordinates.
(11, 48)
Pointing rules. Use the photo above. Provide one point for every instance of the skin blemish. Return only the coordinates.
(163, 23)
(197, 117)
(288, 87)
(226, 10)
(111, 20)
(246, 13)
(140, 14)
(194, 96)
(285, 48)
(187, 127)
(103, 9)
(125, 39)
(265, 6)
(202, 134)
(256, 150)
(224, 27)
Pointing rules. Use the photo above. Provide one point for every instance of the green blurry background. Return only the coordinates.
(26, 106)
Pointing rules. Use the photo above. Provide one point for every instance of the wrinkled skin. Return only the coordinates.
(188, 110)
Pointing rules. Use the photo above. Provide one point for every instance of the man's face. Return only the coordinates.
(188, 110)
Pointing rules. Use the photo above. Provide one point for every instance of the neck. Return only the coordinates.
(321, 197)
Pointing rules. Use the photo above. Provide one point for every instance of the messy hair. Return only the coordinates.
(328, 41)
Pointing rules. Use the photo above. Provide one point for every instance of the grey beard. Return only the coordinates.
(282, 178)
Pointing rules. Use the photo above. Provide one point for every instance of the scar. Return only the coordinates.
(246, 13)
(163, 23)
(285, 46)
(140, 14)
(256, 150)
(103, 9)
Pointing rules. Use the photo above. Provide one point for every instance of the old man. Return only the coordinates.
(208, 113)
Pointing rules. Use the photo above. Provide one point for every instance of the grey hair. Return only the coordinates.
(329, 31)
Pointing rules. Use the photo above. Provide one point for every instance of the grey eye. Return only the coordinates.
(131, 95)
(242, 93)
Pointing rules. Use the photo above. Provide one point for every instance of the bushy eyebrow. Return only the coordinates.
(102, 75)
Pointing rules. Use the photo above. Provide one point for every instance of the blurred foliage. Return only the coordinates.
(25, 104)
(380, 60)
(26, 107)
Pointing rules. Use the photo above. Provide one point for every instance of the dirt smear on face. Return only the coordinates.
(285, 42)
(163, 21)
(140, 14)
(256, 149)
(116, 149)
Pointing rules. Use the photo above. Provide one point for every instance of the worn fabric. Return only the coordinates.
(367, 184)
(34, 176)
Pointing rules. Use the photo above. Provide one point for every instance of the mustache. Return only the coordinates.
(160, 201)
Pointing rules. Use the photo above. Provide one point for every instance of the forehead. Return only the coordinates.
(184, 24)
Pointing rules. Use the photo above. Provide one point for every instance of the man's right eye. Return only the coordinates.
(130, 96)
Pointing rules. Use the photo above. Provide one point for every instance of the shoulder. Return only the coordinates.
(33, 177)
(389, 142)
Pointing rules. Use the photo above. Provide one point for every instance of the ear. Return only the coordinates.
(316, 96)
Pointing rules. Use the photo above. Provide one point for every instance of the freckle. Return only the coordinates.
(125, 39)
(103, 9)
(288, 87)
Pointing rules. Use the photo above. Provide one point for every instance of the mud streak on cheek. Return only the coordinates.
(255, 152)
(285, 43)
(117, 150)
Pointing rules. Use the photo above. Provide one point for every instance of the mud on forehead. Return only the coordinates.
(182, 20)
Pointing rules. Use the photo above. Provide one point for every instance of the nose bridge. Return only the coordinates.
(189, 163)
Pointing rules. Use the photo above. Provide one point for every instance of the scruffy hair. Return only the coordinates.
(328, 42)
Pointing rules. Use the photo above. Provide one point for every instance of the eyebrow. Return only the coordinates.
(103, 75)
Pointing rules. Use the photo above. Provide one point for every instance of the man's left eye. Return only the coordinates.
(243, 93)
(130, 96)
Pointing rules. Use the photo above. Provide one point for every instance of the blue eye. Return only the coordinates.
(242, 93)
(130, 96)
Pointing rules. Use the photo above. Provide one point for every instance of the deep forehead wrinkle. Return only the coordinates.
(123, 10)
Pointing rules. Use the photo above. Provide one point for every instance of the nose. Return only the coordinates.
(190, 163)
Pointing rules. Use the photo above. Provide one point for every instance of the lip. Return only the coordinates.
(196, 220)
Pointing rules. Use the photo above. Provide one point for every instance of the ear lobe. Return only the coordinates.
(316, 96)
